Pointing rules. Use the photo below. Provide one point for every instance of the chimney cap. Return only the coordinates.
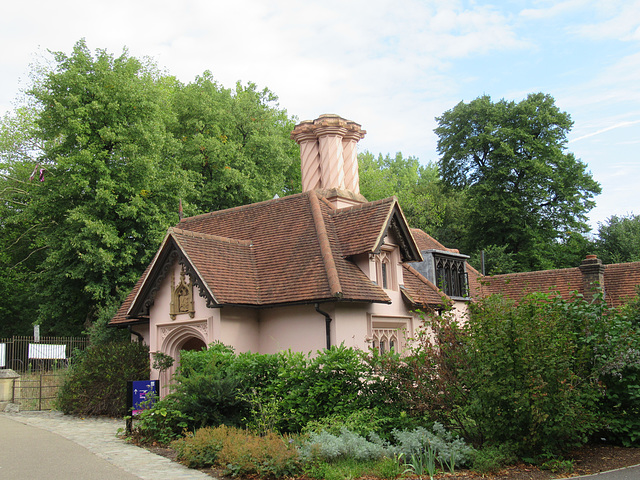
(328, 120)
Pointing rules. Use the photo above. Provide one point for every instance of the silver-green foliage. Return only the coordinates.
(449, 449)
(326, 446)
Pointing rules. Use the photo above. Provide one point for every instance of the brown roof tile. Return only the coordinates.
(620, 281)
(517, 285)
(282, 251)
(427, 242)
(360, 228)
(419, 291)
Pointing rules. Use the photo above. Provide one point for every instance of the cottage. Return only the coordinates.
(302, 272)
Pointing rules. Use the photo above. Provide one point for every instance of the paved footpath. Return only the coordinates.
(36, 445)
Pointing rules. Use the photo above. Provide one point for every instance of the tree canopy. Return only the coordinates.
(94, 169)
(412, 183)
(523, 189)
(619, 239)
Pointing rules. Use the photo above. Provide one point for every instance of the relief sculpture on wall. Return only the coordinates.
(181, 297)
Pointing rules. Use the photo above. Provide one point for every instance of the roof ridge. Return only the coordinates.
(207, 236)
(325, 246)
(239, 207)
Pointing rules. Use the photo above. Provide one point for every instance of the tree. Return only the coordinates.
(619, 239)
(235, 144)
(20, 253)
(523, 189)
(405, 178)
(111, 186)
(94, 166)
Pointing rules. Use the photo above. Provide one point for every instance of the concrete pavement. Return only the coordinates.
(37, 445)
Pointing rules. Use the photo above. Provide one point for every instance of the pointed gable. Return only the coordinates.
(362, 228)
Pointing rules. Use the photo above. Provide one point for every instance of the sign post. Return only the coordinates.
(141, 394)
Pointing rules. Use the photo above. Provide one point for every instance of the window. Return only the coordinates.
(387, 339)
(451, 276)
(385, 268)
(389, 334)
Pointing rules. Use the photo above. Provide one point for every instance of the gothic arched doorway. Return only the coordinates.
(186, 338)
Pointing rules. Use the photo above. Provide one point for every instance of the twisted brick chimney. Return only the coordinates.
(329, 157)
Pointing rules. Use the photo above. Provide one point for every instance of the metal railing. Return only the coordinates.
(28, 354)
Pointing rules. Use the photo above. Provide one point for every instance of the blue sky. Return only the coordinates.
(391, 66)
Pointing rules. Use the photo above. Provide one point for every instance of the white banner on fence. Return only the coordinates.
(3, 355)
(47, 352)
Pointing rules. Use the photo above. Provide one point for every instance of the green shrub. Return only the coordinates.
(619, 351)
(448, 449)
(328, 447)
(97, 381)
(491, 459)
(282, 392)
(349, 468)
(162, 423)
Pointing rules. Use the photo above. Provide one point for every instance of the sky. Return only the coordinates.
(392, 66)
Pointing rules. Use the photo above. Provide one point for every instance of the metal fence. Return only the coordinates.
(42, 365)
(44, 354)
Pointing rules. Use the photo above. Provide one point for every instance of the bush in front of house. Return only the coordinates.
(97, 381)
(281, 392)
(239, 452)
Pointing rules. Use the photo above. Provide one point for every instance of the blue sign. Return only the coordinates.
(143, 391)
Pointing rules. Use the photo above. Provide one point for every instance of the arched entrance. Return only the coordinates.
(187, 337)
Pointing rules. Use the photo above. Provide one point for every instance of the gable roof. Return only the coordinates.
(359, 228)
(289, 250)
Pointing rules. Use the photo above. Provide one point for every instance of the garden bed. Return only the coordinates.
(589, 459)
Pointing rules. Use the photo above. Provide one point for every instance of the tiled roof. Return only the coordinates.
(427, 242)
(419, 291)
(358, 227)
(283, 251)
(517, 285)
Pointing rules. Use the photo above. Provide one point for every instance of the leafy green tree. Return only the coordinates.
(523, 189)
(619, 239)
(405, 178)
(111, 185)
(235, 144)
(94, 165)
(20, 253)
